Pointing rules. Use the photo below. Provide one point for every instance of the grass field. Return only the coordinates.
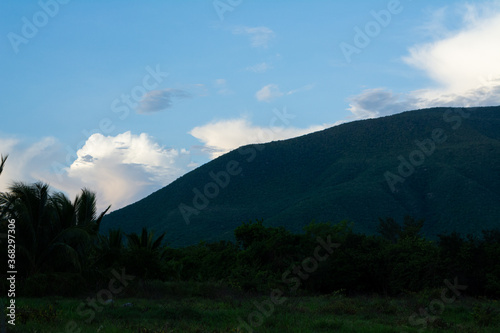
(223, 312)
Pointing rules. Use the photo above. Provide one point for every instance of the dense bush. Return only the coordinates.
(60, 252)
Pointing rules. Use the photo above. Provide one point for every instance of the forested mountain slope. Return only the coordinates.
(440, 164)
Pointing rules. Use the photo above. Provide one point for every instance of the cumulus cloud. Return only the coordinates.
(223, 136)
(268, 93)
(121, 169)
(259, 36)
(463, 64)
(125, 167)
(158, 100)
(259, 68)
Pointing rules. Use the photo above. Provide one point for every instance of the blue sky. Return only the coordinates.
(124, 97)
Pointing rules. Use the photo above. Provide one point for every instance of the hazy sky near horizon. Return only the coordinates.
(123, 97)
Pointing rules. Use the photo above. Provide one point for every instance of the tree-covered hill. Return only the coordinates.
(440, 164)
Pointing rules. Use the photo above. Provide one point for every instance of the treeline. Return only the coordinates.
(59, 251)
(398, 261)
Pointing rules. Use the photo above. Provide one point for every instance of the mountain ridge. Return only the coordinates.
(341, 173)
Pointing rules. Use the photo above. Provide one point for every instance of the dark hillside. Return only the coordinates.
(450, 178)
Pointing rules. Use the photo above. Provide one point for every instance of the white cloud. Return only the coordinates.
(259, 36)
(223, 136)
(458, 63)
(268, 93)
(158, 100)
(272, 91)
(259, 68)
(121, 169)
(464, 64)
(373, 103)
(126, 167)
(27, 161)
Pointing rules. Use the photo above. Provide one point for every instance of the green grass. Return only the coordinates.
(334, 313)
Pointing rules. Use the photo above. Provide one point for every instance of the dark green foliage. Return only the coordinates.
(389, 229)
(52, 233)
(339, 174)
(265, 253)
(411, 228)
(110, 248)
(359, 264)
(59, 251)
(55, 238)
(145, 241)
(485, 315)
(202, 262)
(144, 254)
(412, 265)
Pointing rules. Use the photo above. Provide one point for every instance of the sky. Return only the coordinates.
(123, 97)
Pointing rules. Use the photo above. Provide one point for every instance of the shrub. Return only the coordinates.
(484, 315)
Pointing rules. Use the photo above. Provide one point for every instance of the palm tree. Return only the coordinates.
(145, 241)
(80, 221)
(145, 254)
(110, 248)
(51, 232)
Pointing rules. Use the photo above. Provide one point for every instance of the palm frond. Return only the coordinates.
(99, 218)
(157, 242)
(115, 238)
(64, 209)
(85, 207)
(2, 162)
(134, 242)
(144, 238)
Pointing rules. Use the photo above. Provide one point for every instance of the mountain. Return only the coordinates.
(439, 164)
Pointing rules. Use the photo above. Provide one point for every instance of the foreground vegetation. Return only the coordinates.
(274, 280)
(208, 308)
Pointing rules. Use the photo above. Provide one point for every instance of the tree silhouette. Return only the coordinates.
(144, 254)
(52, 233)
(392, 231)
